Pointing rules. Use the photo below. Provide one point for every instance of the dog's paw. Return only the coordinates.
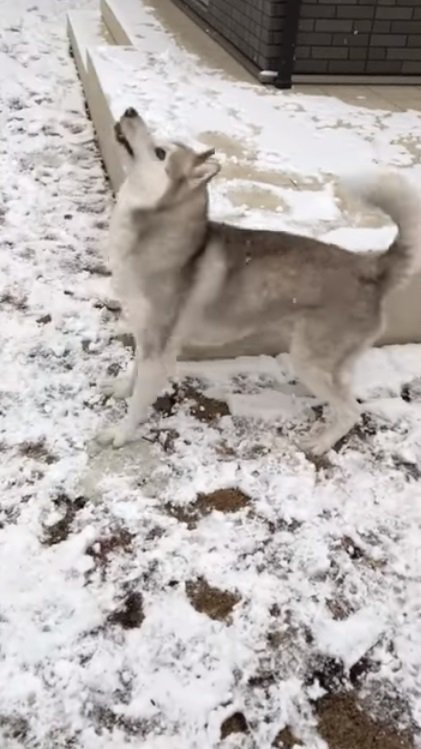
(306, 445)
(313, 447)
(315, 443)
(111, 304)
(320, 441)
(117, 387)
(115, 436)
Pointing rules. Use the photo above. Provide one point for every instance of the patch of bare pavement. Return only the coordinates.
(216, 604)
(344, 723)
(228, 500)
(204, 409)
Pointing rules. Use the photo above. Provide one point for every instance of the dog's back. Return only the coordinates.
(271, 274)
(277, 277)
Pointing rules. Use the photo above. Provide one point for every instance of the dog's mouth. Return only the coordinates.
(121, 138)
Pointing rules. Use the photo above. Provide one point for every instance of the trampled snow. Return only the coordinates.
(104, 641)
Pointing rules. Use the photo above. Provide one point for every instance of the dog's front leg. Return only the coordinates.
(151, 378)
(122, 386)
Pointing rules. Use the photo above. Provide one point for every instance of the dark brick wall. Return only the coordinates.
(359, 37)
(254, 27)
(344, 37)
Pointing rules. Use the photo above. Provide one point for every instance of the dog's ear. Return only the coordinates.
(205, 155)
(204, 168)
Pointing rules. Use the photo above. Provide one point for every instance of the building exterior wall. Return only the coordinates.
(254, 27)
(358, 37)
(343, 37)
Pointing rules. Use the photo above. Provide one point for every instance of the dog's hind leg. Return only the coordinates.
(344, 407)
(324, 365)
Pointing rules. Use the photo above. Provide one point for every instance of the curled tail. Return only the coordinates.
(394, 194)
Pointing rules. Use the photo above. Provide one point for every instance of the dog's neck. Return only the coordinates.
(166, 237)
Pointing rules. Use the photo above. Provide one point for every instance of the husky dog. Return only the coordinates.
(180, 277)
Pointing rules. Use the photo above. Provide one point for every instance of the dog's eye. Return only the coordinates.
(160, 154)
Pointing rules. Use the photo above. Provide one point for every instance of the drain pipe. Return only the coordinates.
(282, 77)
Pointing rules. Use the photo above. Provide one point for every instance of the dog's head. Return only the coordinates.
(162, 173)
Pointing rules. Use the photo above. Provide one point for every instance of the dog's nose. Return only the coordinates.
(130, 112)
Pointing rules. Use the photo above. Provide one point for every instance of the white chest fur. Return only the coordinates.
(126, 272)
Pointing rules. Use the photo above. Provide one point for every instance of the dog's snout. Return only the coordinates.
(130, 112)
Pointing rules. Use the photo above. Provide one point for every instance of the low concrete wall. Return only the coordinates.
(104, 126)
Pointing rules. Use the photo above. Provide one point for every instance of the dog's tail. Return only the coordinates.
(393, 194)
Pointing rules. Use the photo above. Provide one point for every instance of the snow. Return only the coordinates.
(351, 639)
(81, 528)
(361, 240)
(301, 134)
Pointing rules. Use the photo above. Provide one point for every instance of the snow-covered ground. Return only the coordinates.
(242, 594)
